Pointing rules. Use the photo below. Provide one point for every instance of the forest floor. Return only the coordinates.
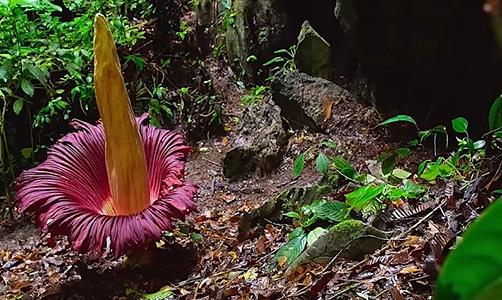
(210, 256)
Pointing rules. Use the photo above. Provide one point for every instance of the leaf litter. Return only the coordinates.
(209, 256)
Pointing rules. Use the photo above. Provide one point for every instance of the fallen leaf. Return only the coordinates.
(327, 107)
(250, 274)
(409, 270)
(260, 245)
(281, 261)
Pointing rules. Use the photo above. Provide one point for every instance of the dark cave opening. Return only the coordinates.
(432, 60)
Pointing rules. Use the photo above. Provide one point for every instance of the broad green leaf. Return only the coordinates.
(389, 161)
(39, 74)
(359, 198)
(399, 118)
(344, 167)
(322, 163)
(298, 165)
(474, 269)
(27, 87)
(460, 125)
(335, 211)
(431, 171)
(17, 106)
(297, 240)
(26, 3)
(479, 144)
(413, 190)
(396, 193)
(314, 235)
(495, 115)
(3, 73)
(401, 174)
(390, 158)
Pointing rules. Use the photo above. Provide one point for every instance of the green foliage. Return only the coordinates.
(297, 240)
(45, 68)
(226, 20)
(298, 165)
(331, 211)
(390, 158)
(460, 125)
(495, 115)
(255, 95)
(344, 167)
(283, 61)
(399, 118)
(184, 30)
(322, 163)
(361, 197)
(473, 269)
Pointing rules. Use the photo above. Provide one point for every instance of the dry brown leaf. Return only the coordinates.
(410, 270)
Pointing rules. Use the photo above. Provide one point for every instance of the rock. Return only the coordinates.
(258, 143)
(313, 53)
(258, 30)
(346, 15)
(352, 237)
(305, 100)
(288, 200)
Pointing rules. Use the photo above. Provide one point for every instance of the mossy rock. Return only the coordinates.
(352, 237)
(313, 53)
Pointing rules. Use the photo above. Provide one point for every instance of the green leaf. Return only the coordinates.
(298, 165)
(495, 115)
(292, 214)
(163, 293)
(431, 171)
(334, 211)
(400, 173)
(26, 152)
(197, 237)
(329, 144)
(399, 118)
(27, 87)
(413, 190)
(3, 73)
(40, 75)
(473, 269)
(395, 193)
(460, 125)
(17, 106)
(297, 240)
(479, 144)
(344, 167)
(314, 235)
(359, 198)
(322, 163)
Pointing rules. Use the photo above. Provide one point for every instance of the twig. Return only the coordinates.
(211, 162)
(336, 295)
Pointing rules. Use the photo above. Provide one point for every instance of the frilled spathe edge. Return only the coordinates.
(67, 192)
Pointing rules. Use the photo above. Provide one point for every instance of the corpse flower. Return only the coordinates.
(118, 183)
